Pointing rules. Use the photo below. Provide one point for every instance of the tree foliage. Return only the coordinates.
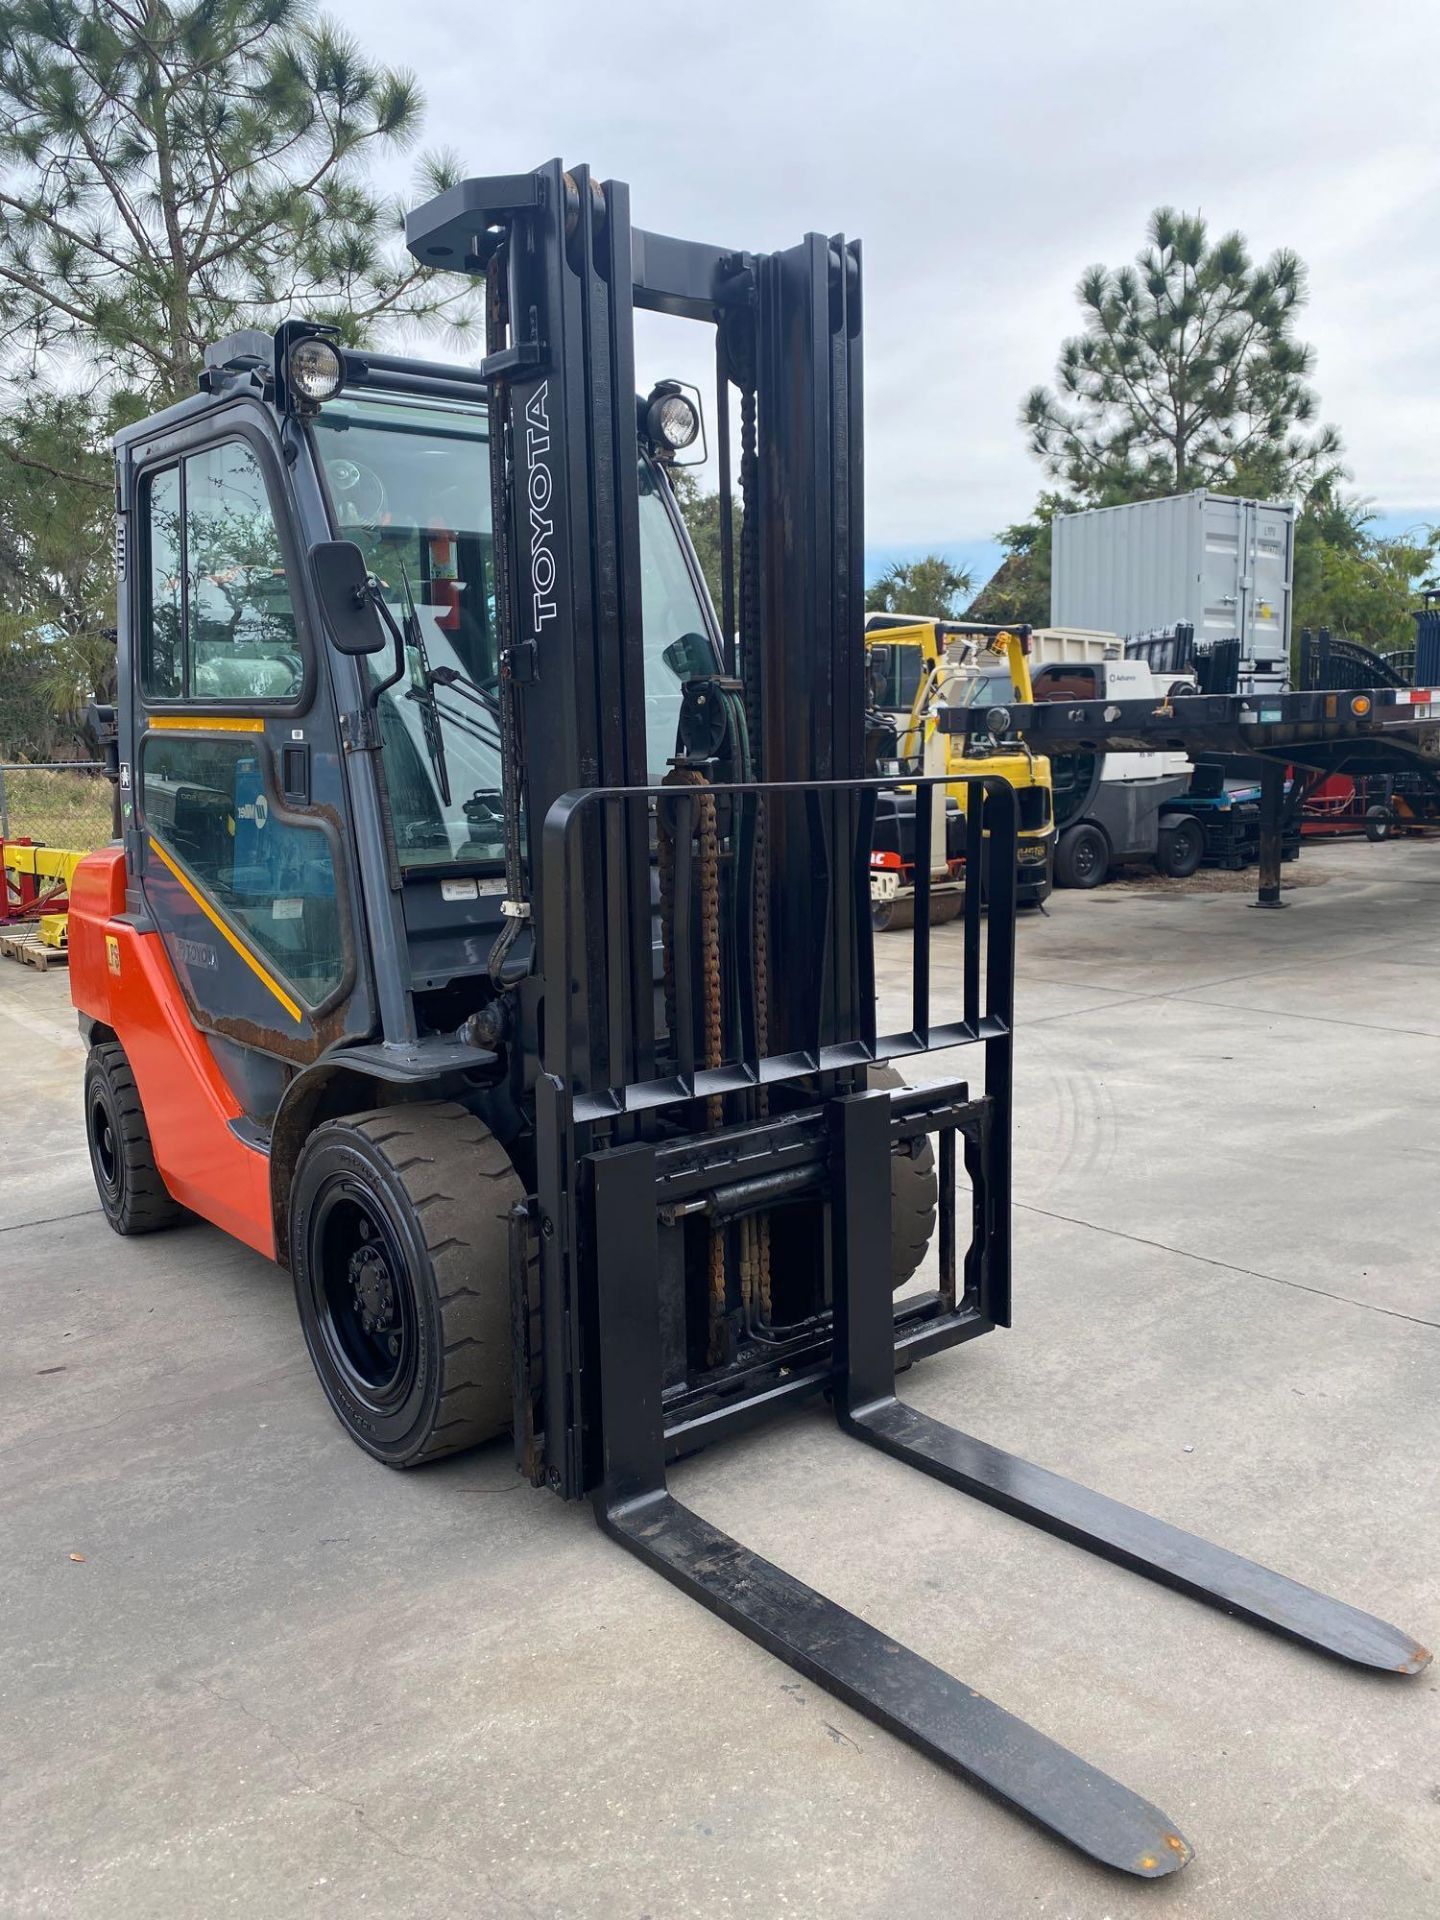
(171, 173)
(1188, 374)
(1018, 592)
(57, 584)
(701, 513)
(931, 586)
(1357, 582)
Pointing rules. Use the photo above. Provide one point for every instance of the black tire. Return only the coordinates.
(1379, 823)
(399, 1249)
(132, 1194)
(1082, 857)
(1180, 847)
(914, 1194)
(882, 915)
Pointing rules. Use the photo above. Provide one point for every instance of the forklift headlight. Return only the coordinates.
(672, 419)
(315, 370)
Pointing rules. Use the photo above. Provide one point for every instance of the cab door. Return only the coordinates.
(241, 816)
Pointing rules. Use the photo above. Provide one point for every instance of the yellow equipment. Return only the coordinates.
(35, 891)
(959, 663)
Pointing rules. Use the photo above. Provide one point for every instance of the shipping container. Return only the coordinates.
(1223, 565)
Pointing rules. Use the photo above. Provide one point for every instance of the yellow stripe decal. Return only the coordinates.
(201, 723)
(220, 927)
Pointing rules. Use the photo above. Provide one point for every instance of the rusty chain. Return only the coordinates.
(711, 1002)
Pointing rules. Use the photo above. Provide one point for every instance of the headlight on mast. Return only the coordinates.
(315, 371)
(672, 419)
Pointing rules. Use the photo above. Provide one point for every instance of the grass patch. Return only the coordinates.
(58, 806)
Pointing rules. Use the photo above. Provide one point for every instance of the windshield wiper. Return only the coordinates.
(460, 682)
(424, 694)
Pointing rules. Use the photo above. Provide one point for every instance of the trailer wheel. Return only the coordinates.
(132, 1194)
(1082, 857)
(914, 1194)
(1379, 823)
(1180, 847)
(399, 1247)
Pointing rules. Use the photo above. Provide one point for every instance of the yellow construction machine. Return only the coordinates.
(917, 666)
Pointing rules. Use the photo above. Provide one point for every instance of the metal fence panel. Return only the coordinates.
(62, 803)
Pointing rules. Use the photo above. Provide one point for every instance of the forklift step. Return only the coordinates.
(941, 1716)
(1135, 1540)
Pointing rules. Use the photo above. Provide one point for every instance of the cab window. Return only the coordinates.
(206, 807)
(219, 623)
(1065, 683)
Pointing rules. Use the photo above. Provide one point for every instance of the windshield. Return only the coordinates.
(994, 688)
(409, 483)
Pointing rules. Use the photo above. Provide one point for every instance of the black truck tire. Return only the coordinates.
(1379, 823)
(914, 1194)
(133, 1196)
(1179, 846)
(1082, 857)
(399, 1248)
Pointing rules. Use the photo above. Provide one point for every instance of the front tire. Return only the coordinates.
(399, 1249)
(1082, 857)
(133, 1196)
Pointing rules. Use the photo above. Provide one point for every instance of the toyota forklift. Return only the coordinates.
(489, 939)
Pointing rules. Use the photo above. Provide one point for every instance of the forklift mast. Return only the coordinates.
(769, 1004)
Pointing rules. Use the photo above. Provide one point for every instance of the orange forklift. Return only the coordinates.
(489, 940)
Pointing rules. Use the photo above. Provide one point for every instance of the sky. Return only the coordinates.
(985, 154)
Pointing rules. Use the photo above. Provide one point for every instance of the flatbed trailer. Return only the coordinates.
(1377, 730)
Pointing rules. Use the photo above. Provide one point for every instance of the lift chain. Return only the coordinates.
(710, 990)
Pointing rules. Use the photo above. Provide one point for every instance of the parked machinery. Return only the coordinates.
(916, 667)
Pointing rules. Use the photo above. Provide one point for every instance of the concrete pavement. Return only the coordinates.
(284, 1682)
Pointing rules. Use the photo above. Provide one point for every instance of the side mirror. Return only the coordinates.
(343, 586)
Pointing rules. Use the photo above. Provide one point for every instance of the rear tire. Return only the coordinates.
(1082, 857)
(1180, 847)
(1379, 823)
(399, 1246)
(132, 1194)
(914, 1194)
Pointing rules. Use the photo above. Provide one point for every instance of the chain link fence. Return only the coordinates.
(63, 803)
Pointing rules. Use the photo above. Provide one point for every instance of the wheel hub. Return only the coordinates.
(373, 1289)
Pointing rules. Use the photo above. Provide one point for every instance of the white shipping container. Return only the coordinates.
(1223, 565)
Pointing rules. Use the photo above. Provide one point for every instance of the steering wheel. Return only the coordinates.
(359, 493)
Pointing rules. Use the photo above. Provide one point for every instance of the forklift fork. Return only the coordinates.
(942, 1716)
(867, 1407)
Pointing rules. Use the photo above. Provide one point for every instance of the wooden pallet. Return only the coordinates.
(25, 946)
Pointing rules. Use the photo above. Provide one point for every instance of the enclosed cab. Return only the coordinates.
(308, 889)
